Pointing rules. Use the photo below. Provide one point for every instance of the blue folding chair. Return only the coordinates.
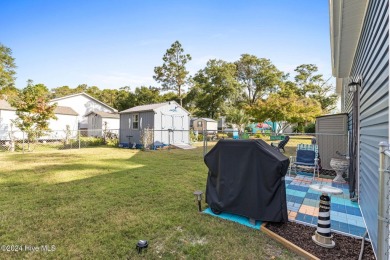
(313, 147)
(235, 135)
(307, 157)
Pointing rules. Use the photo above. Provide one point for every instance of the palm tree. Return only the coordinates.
(238, 118)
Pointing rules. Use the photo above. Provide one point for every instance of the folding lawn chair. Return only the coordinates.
(307, 157)
(281, 144)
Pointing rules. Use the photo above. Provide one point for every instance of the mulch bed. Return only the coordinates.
(346, 247)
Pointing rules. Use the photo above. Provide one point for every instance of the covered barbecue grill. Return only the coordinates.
(246, 177)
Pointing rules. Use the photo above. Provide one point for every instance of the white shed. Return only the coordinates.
(169, 122)
(98, 121)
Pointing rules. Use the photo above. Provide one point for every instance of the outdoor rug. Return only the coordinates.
(234, 218)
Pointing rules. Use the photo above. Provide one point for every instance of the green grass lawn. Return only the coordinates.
(96, 203)
(290, 148)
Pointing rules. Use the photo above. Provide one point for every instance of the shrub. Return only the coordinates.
(113, 142)
(222, 136)
(310, 128)
(88, 141)
(267, 133)
(298, 128)
(146, 138)
(259, 135)
(192, 136)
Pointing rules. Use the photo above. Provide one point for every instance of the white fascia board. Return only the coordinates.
(346, 21)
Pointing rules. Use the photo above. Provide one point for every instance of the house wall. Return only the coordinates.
(5, 124)
(112, 123)
(198, 128)
(57, 126)
(146, 119)
(371, 62)
(82, 105)
(94, 125)
(206, 125)
(62, 121)
(213, 126)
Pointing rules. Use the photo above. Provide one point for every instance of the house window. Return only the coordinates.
(135, 121)
(199, 123)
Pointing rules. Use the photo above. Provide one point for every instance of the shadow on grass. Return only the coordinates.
(105, 214)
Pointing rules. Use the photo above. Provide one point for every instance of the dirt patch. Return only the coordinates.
(346, 247)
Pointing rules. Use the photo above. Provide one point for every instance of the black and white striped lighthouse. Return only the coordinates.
(323, 235)
(323, 225)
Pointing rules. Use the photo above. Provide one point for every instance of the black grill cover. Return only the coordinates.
(246, 177)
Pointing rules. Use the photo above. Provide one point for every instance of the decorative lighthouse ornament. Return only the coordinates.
(323, 235)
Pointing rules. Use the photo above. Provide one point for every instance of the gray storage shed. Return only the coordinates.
(99, 120)
(169, 122)
(332, 136)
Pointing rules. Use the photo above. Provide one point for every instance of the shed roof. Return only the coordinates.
(84, 94)
(60, 110)
(4, 105)
(104, 114)
(149, 107)
(338, 114)
(206, 119)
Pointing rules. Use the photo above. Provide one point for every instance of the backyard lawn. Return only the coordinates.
(96, 203)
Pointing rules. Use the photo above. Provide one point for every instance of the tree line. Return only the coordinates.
(249, 89)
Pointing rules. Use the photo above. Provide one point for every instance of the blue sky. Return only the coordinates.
(118, 43)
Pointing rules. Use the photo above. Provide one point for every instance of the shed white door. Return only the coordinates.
(166, 125)
(178, 129)
(173, 127)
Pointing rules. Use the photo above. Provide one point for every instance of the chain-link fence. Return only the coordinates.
(150, 138)
(384, 202)
(330, 143)
(21, 141)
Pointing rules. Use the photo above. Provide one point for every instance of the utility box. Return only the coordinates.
(332, 136)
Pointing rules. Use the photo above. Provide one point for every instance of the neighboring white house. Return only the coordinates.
(205, 124)
(66, 116)
(67, 119)
(169, 122)
(83, 104)
(7, 113)
(98, 121)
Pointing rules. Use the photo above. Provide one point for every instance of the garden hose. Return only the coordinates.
(362, 247)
